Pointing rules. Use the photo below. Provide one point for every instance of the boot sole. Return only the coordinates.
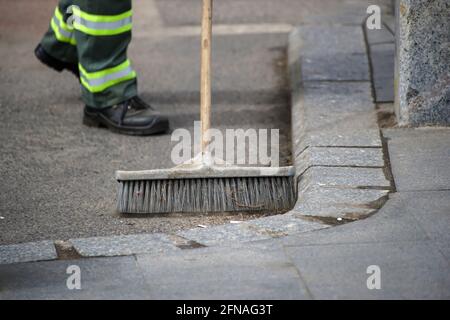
(97, 121)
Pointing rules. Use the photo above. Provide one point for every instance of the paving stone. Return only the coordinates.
(303, 162)
(123, 245)
(223, 273)
(432, 210)
(344, 177)
(282, 225)
(337, 156)
(342, 120)
(25, 252)
(444, 248)
(335, 138)
(316, 193)
(339, 203)
(219, 235)
(347, 138)
(409, 270)
(383, 59)
(358, 157)
(389, 21)
(384, 89)
(333, 211)
(101, 278)
(322, 114)
(333, 53)
(336, 97)
(337, 106)
(392, 223)
(350, 66)
(382, 35)
(352, 157)
(420, 158)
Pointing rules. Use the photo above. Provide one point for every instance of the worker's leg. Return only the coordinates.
(108, 81)
(57, 48)
(92, 37)
(102, 33)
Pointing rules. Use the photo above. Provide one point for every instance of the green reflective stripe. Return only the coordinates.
(62, 34)
(99, 25)
(101, 80)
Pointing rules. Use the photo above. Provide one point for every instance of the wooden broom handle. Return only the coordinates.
(205, 73)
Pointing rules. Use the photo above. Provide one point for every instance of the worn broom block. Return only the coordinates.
(206, 190)
(201, 185)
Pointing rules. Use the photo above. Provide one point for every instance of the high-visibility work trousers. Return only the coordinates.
(95, 35)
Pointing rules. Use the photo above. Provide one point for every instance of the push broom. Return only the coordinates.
(204, 184)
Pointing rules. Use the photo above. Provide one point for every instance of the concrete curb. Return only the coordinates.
(27, 252)
(339, 170)
(340, 165)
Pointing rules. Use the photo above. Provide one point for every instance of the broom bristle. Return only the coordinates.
(207, 195)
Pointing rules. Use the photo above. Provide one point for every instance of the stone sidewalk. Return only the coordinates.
(397, 181)
(58, 174)
(408, 239)
(340, 165)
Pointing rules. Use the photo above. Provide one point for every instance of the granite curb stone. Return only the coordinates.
(423, 61)
(337, 146)
(123, 245)
(337, 156)
(27, 252)
(332, 53)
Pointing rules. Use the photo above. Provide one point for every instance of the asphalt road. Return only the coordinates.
(57, 175)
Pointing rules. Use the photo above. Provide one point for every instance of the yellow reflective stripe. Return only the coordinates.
(101, 32)
(101, 18)
(99, 74)
(101, 80)
(100, 88)
(59, 36)
(102, 25)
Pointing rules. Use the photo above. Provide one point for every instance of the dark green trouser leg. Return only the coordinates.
(102, 32)
(59, 41)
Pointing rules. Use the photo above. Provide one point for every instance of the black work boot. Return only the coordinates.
(54, 63)
(132, 117)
